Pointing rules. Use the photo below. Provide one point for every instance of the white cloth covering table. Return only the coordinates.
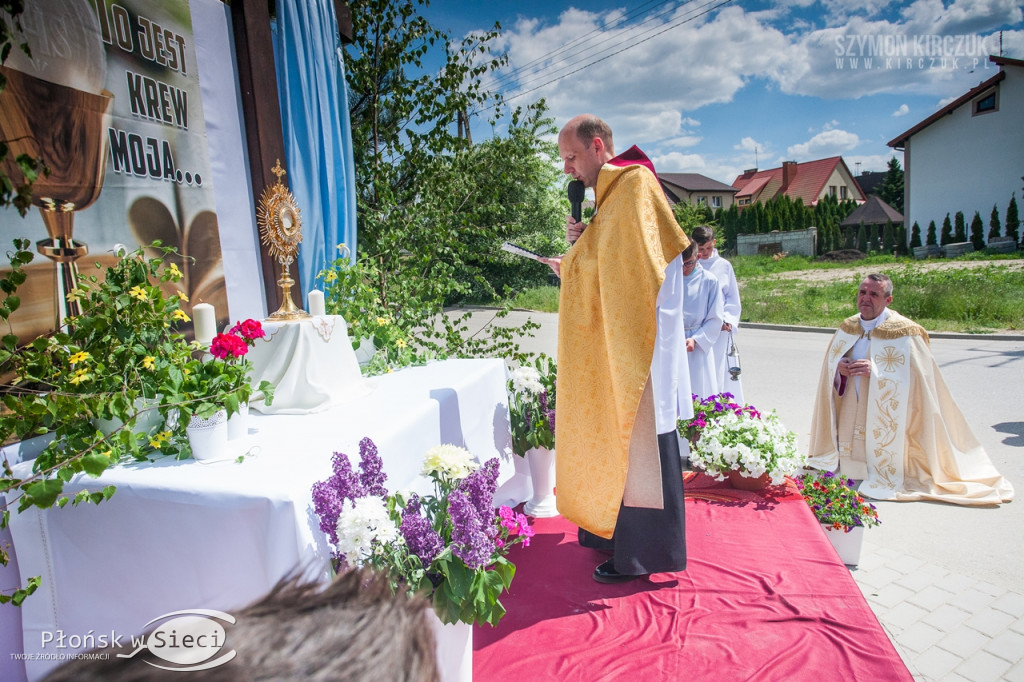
(184, 535)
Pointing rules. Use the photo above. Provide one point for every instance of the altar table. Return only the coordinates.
(180, 534)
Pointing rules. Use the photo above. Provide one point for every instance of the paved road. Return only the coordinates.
(946, 582)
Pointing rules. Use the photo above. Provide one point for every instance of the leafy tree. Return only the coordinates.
(901, 239)
(14, 192)
(977, 232)
(891, 191)
(1012, 219)
(888, 238)
(690, 215)
(959, 227)
(931, 240)
(947, 231)
(993, 223)
(862, 238)
(915, 235)
(432, 208)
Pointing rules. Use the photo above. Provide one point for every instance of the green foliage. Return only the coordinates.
(862, 238)
(977, 232)
(1013, 219)
(891, 190)
(531, 405)
(888, 238)
(915, 234)
(690, 215)
(995, 227)
(931, 238)
(947, 232)
(959, 227)
(542, 299)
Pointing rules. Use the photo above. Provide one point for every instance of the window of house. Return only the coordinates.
(744, 202)
(716, 202)
(701, 201)
(842, 192)
(987, 103)
(832, 190)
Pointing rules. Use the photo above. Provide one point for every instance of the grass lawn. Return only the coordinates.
(974, 293)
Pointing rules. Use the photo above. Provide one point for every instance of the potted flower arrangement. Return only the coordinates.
(707, 410)
(750, 448)
(842, 512)
(531, 402)
(450, 545)
(220, 389)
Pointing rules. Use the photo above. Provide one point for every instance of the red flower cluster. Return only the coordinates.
(235, 343)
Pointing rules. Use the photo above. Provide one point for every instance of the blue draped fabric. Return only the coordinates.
(317, 132)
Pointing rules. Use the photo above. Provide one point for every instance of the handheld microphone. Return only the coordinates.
(576, 193)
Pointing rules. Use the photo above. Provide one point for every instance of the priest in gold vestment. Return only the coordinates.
(618, 466)
(883, 414)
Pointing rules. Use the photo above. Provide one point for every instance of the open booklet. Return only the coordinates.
(520, 251)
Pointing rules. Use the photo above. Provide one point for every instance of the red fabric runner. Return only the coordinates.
(764, 598)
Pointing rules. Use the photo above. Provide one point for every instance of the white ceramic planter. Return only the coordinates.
(238, 423)
(208, 437)
(365, 351)
(147, 422)
(847, 545)
(454, 647)
(542, 473)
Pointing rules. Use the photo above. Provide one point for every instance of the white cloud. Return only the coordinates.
(690, 122)
(902, 111)
(749, 144)
(826, 143)
(870, 162)
(682, 141)
(675, 162)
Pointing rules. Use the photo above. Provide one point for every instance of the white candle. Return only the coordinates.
(204, 316)
(316, 303)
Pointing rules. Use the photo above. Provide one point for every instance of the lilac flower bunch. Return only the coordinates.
(531, 391)
(451, 544)
(707, 410)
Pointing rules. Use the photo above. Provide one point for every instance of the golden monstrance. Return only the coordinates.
(281, 232)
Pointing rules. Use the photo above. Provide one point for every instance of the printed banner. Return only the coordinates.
(111, 101)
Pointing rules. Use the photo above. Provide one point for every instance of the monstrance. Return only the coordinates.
(281, 232)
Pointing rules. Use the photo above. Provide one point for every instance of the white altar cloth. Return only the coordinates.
(184, 535)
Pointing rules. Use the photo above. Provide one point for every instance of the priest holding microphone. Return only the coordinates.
(621, 349)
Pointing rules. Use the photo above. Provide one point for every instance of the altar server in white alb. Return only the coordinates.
(711, 261)
(883, 413)
(702, 316)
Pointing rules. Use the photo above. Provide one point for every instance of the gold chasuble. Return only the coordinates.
(901, 432)
(607, 325)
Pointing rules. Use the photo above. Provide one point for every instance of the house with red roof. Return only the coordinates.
(969, 155)
(810, 182)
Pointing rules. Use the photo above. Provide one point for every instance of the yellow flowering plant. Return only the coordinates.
(94, 381)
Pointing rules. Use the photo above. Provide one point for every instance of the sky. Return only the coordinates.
(717, 87)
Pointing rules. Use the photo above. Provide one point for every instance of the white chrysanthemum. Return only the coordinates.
(526, 379)
(450, 460)
(361, 525)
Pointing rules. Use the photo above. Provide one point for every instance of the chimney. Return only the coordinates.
(788, 173)
(748, 173)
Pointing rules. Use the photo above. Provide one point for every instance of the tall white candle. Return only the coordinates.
(204, 316)
(316, 303)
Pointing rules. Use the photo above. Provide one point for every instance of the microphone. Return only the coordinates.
(576, 193)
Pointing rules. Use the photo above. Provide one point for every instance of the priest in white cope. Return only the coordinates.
(702, 317)
(711, 261)
(883, 414)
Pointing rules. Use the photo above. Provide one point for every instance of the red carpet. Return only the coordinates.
(764, 598)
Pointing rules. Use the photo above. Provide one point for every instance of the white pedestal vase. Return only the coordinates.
(238, 423)
(147, 421)
(454, 648)
(208, 437)
(847, 545)
(365, 351)
(542, 473)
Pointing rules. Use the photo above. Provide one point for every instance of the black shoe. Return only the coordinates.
(606, 573)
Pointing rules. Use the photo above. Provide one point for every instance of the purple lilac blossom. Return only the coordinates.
(372, 476)
(420, 536)
(329, 496)
(472, 537)
(479, 486)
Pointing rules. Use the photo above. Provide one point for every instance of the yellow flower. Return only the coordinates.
(180, 315)
(109, 454)
(330, 276)
(80, 356)
(159, 439)
(148, 362)
(175, 272)
(186, 371)
(74, 295)
(80, 377)
(183, 296)
(400, 343)
(382, 321)
(342, 247)
(139, 293)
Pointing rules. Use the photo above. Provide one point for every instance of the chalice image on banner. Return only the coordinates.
(54, 107)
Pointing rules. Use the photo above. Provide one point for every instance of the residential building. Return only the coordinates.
(697, 189)
(809, 181)
(969, 155)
